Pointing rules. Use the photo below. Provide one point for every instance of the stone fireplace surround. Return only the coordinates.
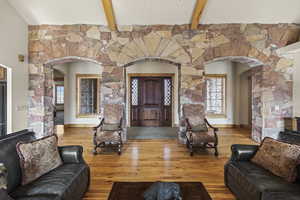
(254, 44)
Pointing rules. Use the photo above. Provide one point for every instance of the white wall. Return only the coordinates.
(224, 67)
(13, 41)
(70, 70)
(150, 68)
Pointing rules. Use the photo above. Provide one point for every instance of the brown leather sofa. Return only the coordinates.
(248, 181)
(70, 181)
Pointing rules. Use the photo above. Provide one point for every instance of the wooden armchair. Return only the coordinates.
(200, 136)
(108, 135)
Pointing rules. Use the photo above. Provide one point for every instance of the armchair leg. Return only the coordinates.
(95, 152)
(191, 150)
(120, 149)
(216, 151)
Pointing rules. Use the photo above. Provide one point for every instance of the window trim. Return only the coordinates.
(224, 114)
(59, 85)
(87, 76)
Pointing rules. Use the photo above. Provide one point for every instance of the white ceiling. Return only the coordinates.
(146, 12)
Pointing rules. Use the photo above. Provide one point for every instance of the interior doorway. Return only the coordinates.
(151, 101)
(3, 102)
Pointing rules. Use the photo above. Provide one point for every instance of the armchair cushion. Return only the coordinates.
(241, 152)
(71, 154)
(201, 137)
(200, 128)
(110, 127)
(107, 137)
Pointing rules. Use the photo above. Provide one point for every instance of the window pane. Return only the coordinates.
(59, 94)
(215, 94)
(167, 92)
(88, 96)
(134, 92)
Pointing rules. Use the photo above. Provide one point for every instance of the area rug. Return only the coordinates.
(135, 190)
(141, 133)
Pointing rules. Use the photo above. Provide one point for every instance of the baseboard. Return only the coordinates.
(224, 125)
(232, 126)
(80, 125)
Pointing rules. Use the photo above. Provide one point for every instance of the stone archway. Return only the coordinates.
(44, 101)
(176, 79)
(272, 86)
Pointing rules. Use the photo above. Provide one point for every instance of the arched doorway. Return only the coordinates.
(152, 98)
(233, 93)
(78, 103)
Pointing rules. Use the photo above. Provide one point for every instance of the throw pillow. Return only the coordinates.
(38, 158)
(3, 177)
(279, 158)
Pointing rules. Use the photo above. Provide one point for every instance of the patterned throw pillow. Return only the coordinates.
(279, 158)
(3, 177)
(38, 157)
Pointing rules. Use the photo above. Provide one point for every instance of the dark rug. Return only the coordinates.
(135, 190)
(137, 133)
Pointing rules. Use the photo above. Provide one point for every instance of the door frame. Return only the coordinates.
(159, 75)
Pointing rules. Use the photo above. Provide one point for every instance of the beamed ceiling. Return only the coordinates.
(147, 12)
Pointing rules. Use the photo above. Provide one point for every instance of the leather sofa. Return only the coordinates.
(70, 181)
(248, 181)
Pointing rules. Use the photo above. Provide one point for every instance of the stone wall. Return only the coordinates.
(191, 49)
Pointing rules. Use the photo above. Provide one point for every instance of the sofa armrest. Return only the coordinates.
(242, 152)
(71, 154)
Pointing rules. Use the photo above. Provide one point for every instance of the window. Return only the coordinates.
(87, 95)
(59, 94)
(216, 95)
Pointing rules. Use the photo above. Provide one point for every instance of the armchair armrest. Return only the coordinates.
(71, 154)
(242, 152)
(210, 126)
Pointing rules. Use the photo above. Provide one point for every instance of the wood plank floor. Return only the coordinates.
(153, 160)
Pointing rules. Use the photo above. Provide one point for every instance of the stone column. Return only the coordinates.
(113, 94)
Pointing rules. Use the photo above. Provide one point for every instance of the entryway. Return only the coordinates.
(151, 101)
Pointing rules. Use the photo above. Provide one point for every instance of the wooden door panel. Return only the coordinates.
(150, 109)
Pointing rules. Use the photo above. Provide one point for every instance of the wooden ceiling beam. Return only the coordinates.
(197, 13)
(109, 13)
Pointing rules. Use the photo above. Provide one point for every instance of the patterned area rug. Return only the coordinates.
(135, 190)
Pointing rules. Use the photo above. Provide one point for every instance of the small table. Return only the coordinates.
(135, 190)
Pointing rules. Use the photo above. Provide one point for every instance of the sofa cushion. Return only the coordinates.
(12, 162)
(69, 181)
(281, 196)
(255, 179)
(4, 195)
(38, 157)
(278, 157)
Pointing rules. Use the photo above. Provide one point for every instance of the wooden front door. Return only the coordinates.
(151, 101)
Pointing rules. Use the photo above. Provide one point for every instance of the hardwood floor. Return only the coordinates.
(153, 160)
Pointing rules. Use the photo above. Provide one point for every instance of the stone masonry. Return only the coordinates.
(50, 44)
